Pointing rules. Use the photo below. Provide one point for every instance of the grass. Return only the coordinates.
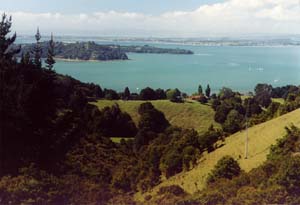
(190, 114)
(118, 139)
(279, 100)
(261, 137)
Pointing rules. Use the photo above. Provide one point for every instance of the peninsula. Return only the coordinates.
(93, 51)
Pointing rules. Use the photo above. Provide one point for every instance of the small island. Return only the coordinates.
(90, 51)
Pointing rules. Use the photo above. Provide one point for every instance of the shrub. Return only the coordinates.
(112, 122)
(151, 118)
(171, 163)
(226, 93)
(263, 94)
(289, 174)
(160, 94)
(233, 122)
(148, 94)
(174, 95)
(173, 189)
(221, 113)
(111, 94)
(226, 167)
(202, 99)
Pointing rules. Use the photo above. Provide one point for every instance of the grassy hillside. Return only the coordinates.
(261, 137)
(190, 114)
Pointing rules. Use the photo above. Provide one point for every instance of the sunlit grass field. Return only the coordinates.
(190, 114)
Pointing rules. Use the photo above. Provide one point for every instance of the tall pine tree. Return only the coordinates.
(37, 50)
(126, 94)
(7, 51)
(200, 90)
(50, 56)
(207, 91)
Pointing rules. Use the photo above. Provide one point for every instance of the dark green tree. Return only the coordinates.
(221, 113)
(171, 162)
(160, 94)
(27, 60)
(50, 56)
(7, 51)
(174, 95)
(110, 94)
(263, 94)
(226, 167)
(37, 50)
(233, 122)
(126, 94)
(148, 94)
(226, 93)
(202, 99)
(200, 90)
(152, 119)
(112, 122)
(207, 91)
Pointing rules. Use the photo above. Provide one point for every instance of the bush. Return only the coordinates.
(173, 189)
(233, 122)
(263, 94)
(221, 113)
(112, 122)
(227, 168)
(215, 103)
(252, 107)
(190, 155)
(160, 94)
(202, 99)
(171, 163)
(111, 94)
(226, 93)
(174, 95)
(207, 140)
(148, 94)
(151, 118)
(289, 174)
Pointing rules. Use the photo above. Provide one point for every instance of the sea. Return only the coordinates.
(237, 67)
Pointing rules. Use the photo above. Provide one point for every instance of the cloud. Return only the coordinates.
(232, 17)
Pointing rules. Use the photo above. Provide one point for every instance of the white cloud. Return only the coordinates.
(231, 17)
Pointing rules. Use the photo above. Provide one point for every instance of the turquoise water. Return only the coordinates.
(239, 68)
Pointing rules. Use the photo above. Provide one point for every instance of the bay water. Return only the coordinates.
(239, 68)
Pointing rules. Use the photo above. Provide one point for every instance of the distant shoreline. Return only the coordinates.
(80, 60)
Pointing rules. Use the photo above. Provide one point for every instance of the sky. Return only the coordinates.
(155, 18)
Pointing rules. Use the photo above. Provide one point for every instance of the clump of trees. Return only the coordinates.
(233, 112)
(112, 122)
(174, 95)
(226, 167)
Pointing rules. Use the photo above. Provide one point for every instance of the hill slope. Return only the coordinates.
(190, 114)
(261, 137)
